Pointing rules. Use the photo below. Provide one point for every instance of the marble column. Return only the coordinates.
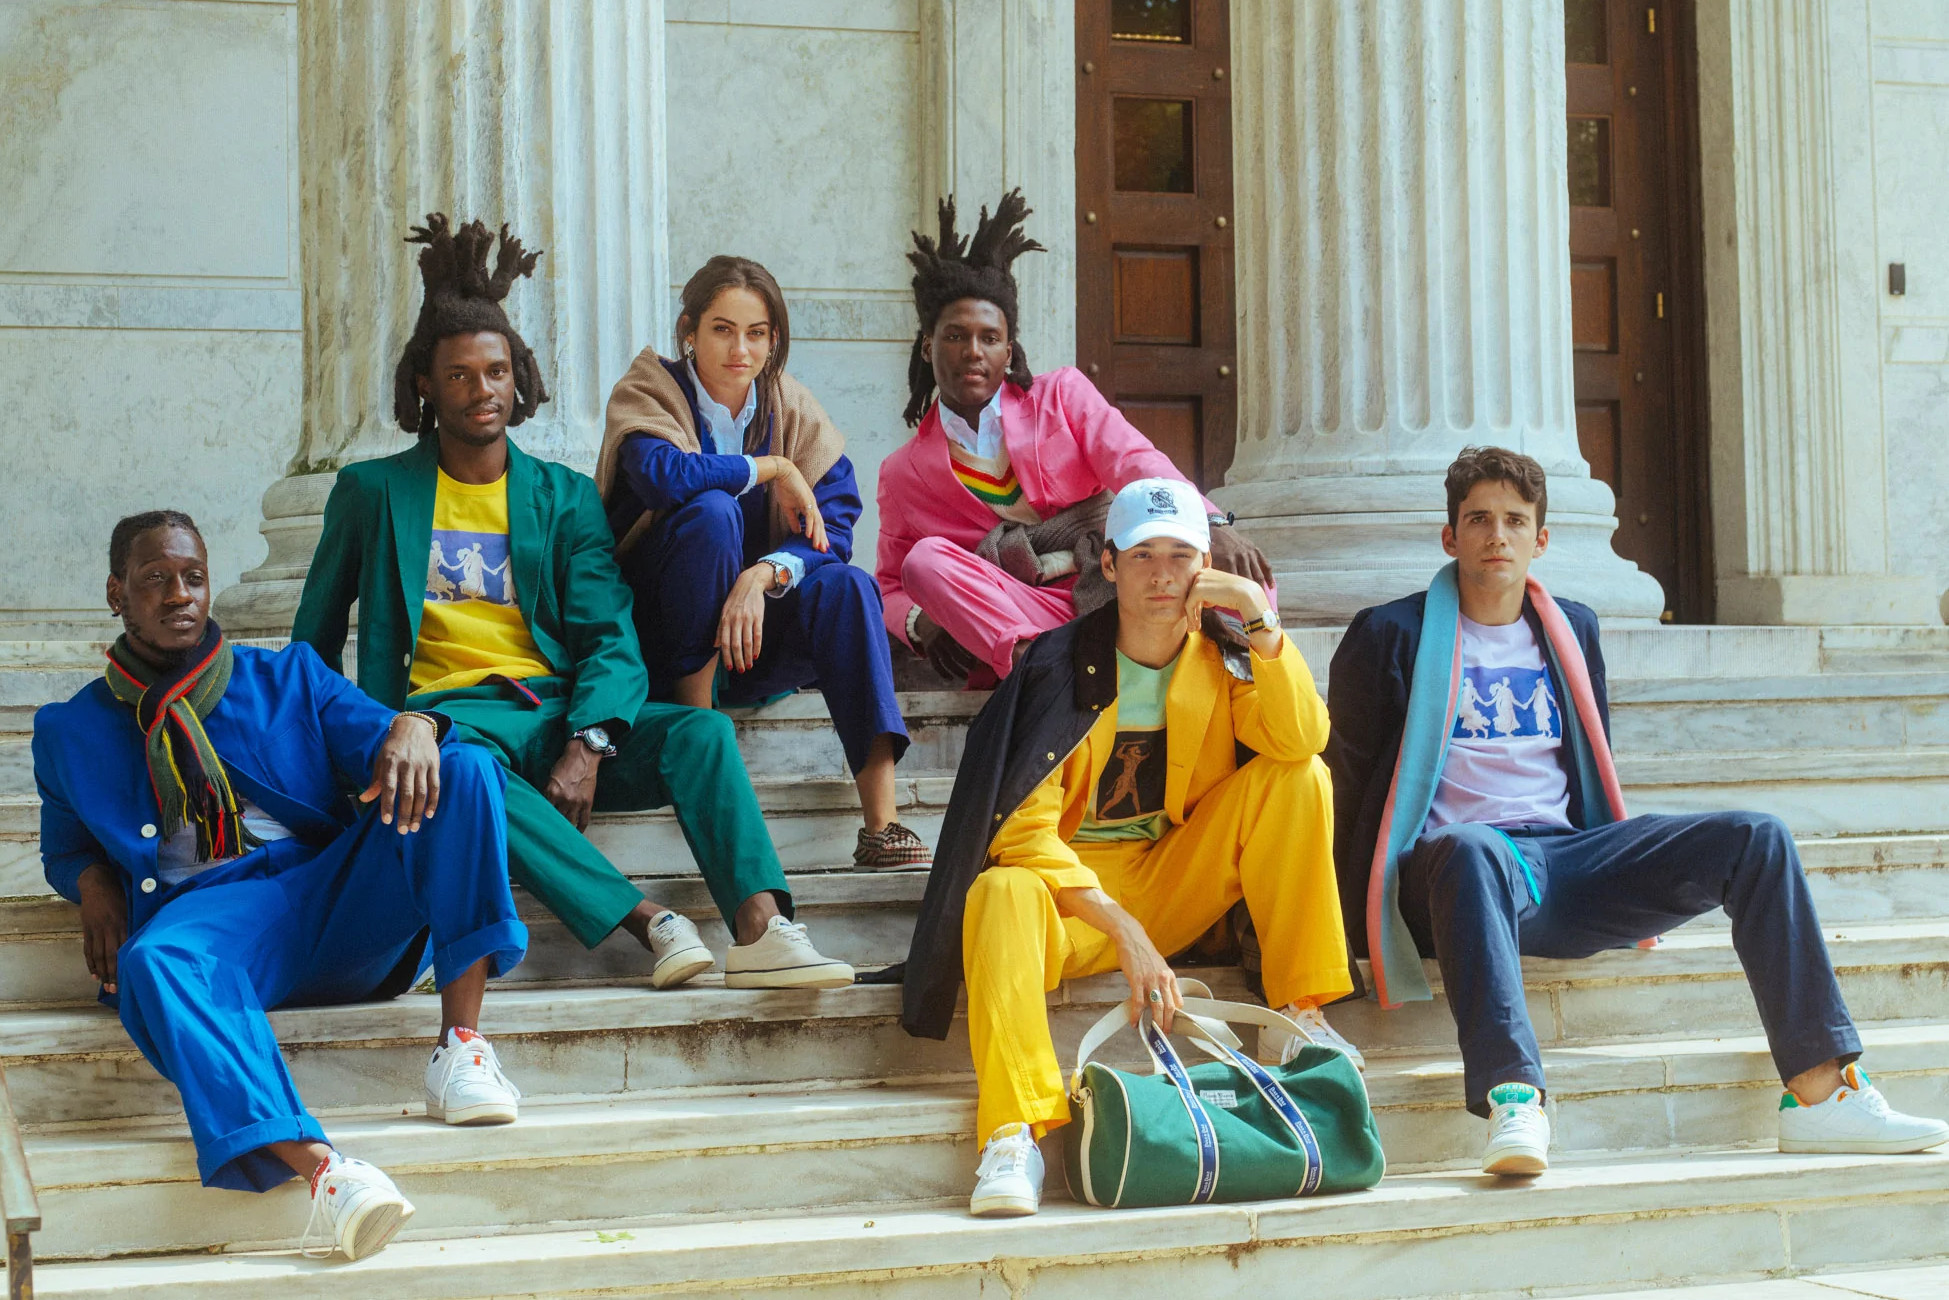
(1403, 283)
(544, 114)
(1801, 532)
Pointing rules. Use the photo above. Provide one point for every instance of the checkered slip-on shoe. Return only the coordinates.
(896, 846)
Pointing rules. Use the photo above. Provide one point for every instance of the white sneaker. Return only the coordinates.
(1519, 1132)
(1009, 1182)
(464, 1083)
(360, 1203)
(678, 949)
(783, 958)
(1277, 1047)
(1855, 1120)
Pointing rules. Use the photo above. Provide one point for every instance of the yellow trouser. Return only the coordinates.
(1264, 833)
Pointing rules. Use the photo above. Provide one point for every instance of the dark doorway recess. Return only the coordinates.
(1636, 290)
(1154, 314)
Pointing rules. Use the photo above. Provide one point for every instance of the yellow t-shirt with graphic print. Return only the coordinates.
(471, 626)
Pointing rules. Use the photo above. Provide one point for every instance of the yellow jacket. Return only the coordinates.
(1208, 712)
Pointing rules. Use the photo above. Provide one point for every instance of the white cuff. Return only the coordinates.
(793, 566)
(751, 476)
(913, 624)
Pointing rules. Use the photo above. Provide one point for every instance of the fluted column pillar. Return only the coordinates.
(1403, 276)
(544, 114)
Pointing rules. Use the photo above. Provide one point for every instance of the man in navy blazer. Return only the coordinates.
(195, 801)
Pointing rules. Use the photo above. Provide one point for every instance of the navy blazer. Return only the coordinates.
(657, 476)
(1367, 698)
(297, 739)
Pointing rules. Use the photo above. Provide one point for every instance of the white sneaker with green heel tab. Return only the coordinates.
(1856, 1120)
(1519, 1132)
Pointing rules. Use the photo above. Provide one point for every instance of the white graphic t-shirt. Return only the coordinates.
(1503, 767)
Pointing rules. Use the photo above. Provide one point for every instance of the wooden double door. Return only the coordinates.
(1155, 325)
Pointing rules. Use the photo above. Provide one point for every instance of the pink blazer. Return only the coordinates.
(1065, 444)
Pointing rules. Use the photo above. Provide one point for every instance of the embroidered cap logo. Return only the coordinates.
(1163, 502)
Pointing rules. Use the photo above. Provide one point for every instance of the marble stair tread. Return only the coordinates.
(1634, 1198)
(1738, 767)
(558, 1009)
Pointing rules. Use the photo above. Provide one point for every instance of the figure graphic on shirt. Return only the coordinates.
(438, 585)
(1130, 756)
(474, 571)
(507, 582)
(1504, 701)
(1541, 705)
(1470, 717)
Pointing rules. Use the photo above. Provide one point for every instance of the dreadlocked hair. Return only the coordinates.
(954, 267)
(463, 297)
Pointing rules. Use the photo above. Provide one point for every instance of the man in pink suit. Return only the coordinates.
(1000, 446)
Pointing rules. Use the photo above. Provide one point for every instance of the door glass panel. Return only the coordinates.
(1153, 145)
(1150, 20)
(1583, 31)
(1590, 162)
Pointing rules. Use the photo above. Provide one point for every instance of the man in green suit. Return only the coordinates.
(487, 589)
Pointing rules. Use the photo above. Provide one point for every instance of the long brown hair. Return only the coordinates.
(701, 290)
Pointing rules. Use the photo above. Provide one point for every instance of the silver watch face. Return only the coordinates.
(595, 738)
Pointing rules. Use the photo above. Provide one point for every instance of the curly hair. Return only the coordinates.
(463, 297)
(954, 268)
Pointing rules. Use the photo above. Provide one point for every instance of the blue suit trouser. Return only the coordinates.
(1480, 900)
(827, 632)
(278, 928)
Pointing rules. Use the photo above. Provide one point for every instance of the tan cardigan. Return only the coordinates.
(648, 400)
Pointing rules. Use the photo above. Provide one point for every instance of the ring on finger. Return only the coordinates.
(1156, 996)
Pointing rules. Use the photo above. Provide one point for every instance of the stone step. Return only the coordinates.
(867, 917)
(76, 1063)
(126, 1187)
(1613, 1222)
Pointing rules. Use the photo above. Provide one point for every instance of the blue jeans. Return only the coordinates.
(1480, 900)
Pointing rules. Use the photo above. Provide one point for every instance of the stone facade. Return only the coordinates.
(200, 207)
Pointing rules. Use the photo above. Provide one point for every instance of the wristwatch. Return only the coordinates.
(1221, 519)
(1264, 622)
(597, 738)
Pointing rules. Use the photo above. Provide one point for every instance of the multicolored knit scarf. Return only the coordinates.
(190, 782)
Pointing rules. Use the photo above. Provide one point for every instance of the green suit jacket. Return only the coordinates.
(378, 529)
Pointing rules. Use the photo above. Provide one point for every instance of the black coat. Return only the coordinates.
(1035, 718)
(1367, 698)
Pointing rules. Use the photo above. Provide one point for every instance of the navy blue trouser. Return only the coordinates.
(1480, 906)
(292, 925)
(827, 632)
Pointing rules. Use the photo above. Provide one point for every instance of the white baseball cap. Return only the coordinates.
(1158, 507)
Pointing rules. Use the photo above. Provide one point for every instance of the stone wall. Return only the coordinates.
(149, 301)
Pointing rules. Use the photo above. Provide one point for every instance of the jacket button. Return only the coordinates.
(408, 660)
(998, 816)
(1090, 669)
(148, 830)
(149, 885)
(1052, 757)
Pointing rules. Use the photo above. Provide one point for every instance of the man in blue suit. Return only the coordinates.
(194, 802)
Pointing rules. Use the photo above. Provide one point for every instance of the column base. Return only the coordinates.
(265, 600)
(1831, 599)
(1339, 544)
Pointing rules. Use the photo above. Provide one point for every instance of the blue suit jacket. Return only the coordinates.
(297, 739)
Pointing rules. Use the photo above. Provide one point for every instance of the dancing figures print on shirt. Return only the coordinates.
(1505, 703)
(463, 565)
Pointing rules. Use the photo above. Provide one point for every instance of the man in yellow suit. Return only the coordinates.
(1105, 815)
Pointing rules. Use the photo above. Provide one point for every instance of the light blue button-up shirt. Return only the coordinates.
(726, 433)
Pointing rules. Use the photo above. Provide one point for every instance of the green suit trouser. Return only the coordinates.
(672, 755)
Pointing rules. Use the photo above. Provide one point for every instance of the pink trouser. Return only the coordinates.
(980, 606)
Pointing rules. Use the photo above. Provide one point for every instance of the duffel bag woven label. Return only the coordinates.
(1230, 1130)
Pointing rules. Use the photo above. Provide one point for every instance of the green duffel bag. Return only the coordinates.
(1229, 1130)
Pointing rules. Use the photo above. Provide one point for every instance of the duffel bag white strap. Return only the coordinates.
(1118, 1017)
(1202, 1128)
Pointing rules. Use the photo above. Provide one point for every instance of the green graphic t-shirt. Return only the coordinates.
(1128, 802)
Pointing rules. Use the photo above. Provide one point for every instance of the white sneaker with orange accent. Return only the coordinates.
(464, 1083)
(360, 1205)
(1856, 1120)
